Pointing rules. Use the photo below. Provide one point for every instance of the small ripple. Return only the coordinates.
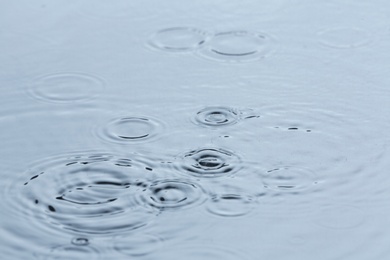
(288, 178)
(73, 252)
(140, 245)
(216, 116)
(230, 205)
(210, 162)
(339, 217)
(237, 46)
(66, 87)
(178, 39)
(87, 193)
(173, 194)
(344, 38)
(200, 251)
(80, 241)
(128, 130)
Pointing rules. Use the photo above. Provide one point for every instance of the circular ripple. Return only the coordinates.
(344, 38)
(173, 194)
(66, 87)
(288, 178)
(80, 241)
(73, 252)
(230, 205)
(140, 245)
(178, 39)
(127, 130)
(87, 193)
(237, 46)
(217, 116)
(210, 162)
(339, 217)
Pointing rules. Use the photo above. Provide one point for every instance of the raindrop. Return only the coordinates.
(344, 38)
(210, 162)
(173, 194)
(80, 241)
(237, 46)
(217, 116)
(129, 130)
(66, 87)
(178, 39)
(230, 205)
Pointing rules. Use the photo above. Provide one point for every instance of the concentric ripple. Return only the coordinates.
(237, 46)
(210, 162)
(87, 194)
(173, 194)
(288, 178)
(217, 116)
(140, 245)
(178, 39)
(125, 130)
(344, 37)
(66, 87)
(230, 205)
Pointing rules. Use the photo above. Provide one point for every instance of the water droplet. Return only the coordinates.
(339, 217)
(178, 39)
(288, 178)
(344, 38)
(130, 130)
(173, 194)
(217, 116)
(210, 162)
(237, 46)
(66, 87)
(230, 205)
(138, 245)
(80, 241)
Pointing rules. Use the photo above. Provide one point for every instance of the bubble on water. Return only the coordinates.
(339, 216)
(178, 39)
(80, 241)
(173, 194)
(130, 130)
(88, 193)
(238, 46)
(137, 245)
(230, 205)
(66, 87)
(344, 37)
(210, 162)
(288, 178)
(216, 116)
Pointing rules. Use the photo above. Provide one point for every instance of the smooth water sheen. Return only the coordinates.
(194, 130)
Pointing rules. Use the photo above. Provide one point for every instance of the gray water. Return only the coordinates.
(194, 129)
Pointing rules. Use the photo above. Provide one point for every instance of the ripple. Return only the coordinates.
(230, 205)
(288, 178)
(139, 245)
(87, 193)
(173, 194)
(73, 252)
(210, 162)
(344, 38)
(216, 116)
(128, 130)
(178, 39)
(237, 46)
(66, 87)
(339, 217)
(201, 251)
(80, 241)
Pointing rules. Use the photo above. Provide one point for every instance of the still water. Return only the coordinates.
(195, 129)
